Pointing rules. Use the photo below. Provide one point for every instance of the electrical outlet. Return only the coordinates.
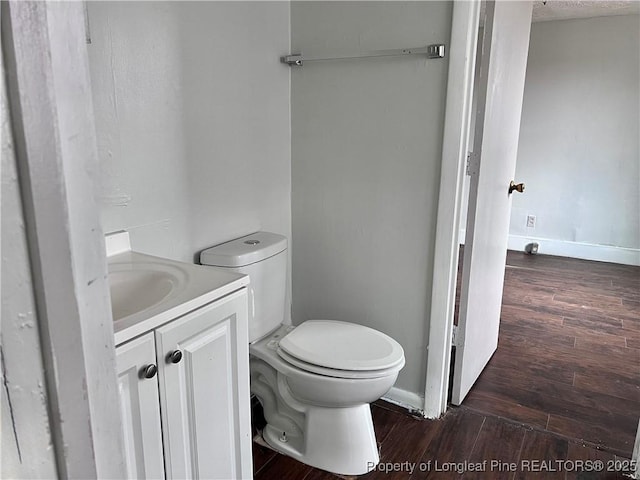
(531, 221)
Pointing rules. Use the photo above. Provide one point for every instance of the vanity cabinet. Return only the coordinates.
(192, 418)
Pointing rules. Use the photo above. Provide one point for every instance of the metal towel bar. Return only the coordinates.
(431, 51)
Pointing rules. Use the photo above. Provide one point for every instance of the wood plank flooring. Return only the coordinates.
(568, 358)
(563, 386)
(412, 448)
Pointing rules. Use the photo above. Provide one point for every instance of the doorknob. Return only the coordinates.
(518, 187)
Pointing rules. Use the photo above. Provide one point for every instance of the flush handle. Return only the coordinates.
(518, 187)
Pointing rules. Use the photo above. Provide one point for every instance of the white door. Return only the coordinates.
(139, 407)
(204, 391)
(505, 47)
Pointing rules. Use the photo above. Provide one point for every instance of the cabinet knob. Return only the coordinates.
(175, 356)
(149, 371)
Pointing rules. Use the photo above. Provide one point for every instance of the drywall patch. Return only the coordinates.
(116, 200)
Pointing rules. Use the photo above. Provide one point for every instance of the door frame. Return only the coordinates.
(635, 456)
(52, 119)
(457, 125)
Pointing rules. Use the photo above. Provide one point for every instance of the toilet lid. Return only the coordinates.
(342, 346)
(333, 372)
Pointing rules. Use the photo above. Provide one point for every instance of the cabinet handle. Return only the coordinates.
(175, 356)
(149, 371)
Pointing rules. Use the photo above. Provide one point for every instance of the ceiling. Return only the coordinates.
(565, 9)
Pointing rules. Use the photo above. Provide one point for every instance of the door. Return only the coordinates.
(503, 58)
(204, 391)
(139, 407)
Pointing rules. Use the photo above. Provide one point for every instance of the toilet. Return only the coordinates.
(314, 381)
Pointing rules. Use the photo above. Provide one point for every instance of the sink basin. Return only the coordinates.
(149, 291)
(135, 289)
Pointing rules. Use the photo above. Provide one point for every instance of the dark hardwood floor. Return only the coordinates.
(568, 358)
(563, 387)
(412, 448)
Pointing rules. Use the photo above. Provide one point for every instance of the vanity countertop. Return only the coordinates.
(148, 291)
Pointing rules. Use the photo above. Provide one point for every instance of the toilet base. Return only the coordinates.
(338, 440)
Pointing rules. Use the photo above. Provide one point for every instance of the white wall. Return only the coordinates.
(192, 116)
(579, 152)
(27, 449)
(135, 57)
(366, 153)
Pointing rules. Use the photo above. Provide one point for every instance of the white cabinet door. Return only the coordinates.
(204, 391)
(139, 408)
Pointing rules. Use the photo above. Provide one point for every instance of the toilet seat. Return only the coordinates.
(341, 349)
(337, 373)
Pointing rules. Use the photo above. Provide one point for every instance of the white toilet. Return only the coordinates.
(314, 381)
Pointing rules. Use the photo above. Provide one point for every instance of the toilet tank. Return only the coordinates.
(262, 256)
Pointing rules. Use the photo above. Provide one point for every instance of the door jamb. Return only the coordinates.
(457, 123)
(49, 94)
(635, 456)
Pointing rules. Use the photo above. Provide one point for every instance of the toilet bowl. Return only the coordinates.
(319, 415)
(314, 381)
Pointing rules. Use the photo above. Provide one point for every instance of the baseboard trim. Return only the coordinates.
(409, 400)
(565, 248)
(585, 251)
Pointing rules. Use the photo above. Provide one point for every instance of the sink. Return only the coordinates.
(148, 291)
(142, 286)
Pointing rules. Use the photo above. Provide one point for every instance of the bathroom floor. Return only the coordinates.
(564, 384)
(412, 446)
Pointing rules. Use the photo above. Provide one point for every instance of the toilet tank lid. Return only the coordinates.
(245, 250)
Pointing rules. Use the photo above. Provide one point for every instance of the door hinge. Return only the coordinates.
(454, 335)
(473, 163)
